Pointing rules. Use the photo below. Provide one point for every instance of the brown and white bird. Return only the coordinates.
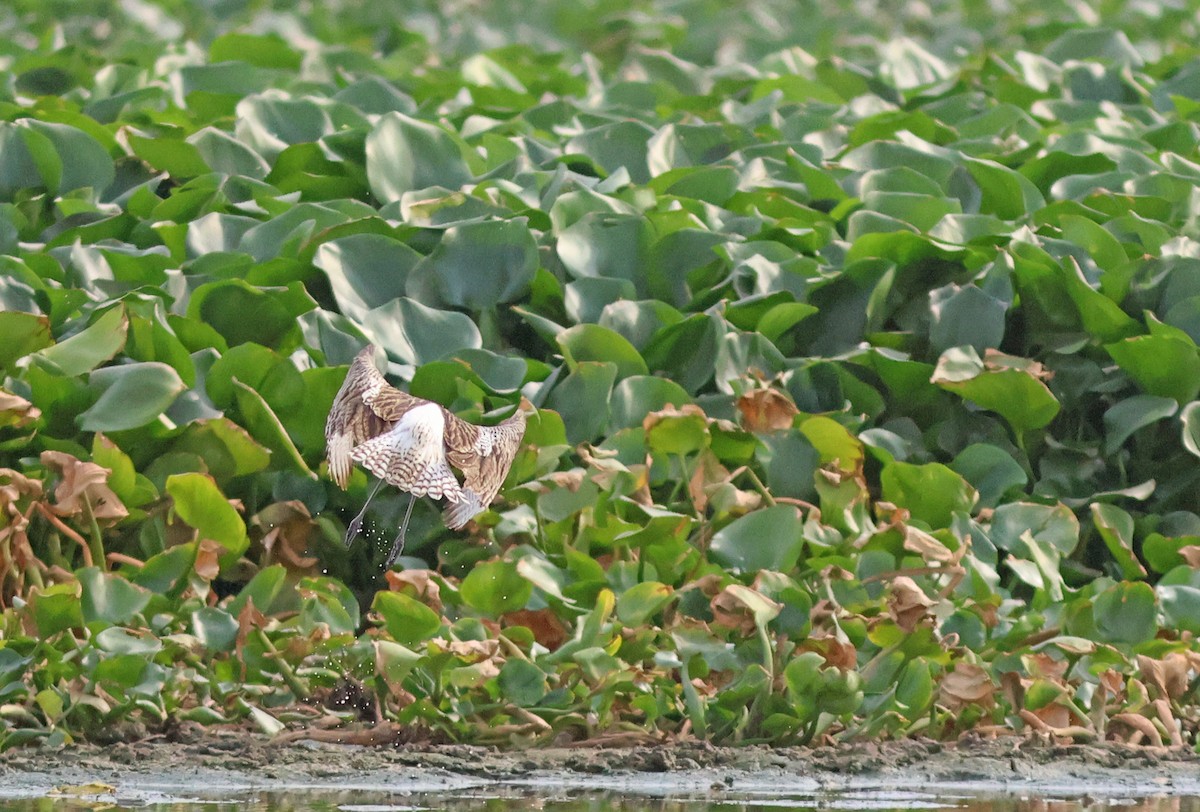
(414, 444)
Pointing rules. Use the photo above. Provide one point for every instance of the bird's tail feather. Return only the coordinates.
(457, 514)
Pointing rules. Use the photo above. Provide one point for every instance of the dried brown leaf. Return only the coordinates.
(967, 684)
(83, 485)
(1169, 676)
(547, 629)
(766, 410)
(16, 411)
(285, 531)
(732, 613)
(1190, 554)
(908, 604)
(417, 584)
(208, 559)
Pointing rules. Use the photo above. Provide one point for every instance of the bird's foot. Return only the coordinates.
(353, 530)
(397, 548)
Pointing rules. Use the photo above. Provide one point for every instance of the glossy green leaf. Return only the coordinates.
(495, 587)
(478, 265)
(109, 598)
(416, 334)
(1015, 392)
(199, 502)
(404, 154)
(130, 395)
(1165, 366)
(932, 492)
(1126, 613)
(767, 539)
(407, 621)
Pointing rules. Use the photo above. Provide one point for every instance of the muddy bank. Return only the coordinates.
(225, 764)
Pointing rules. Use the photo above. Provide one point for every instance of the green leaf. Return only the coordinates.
(932, 493)
(1163, 365)
(965, 316)
(833, 442)
(264, 51)
(1125, 417)
(90, 347)
(406, 620)
(914, 689)
(1052, 525)
(130, 395)
(684, 351)
(607, 245)
(227, 449)
(479, 265)
(21, 334)
(57, 157)
(215, 628)
(591, 342)
(241, 312)
(1190, 417)
(177, 158)
(495, 587)
(56, 608)
(118, 640)
(522, 683)
(635, 397)
(416, 334)
(365, 271)
(269, 590)
(1115, 526)
(404, 154)
(991, 470)
(638, 604)
(1006, 194)
(268, 430)
(199, 502)
(589, 383)
(767, 539)
(1126, 613)
(677, 433)
(109, 598)
(1010, 387)
(1162, 552)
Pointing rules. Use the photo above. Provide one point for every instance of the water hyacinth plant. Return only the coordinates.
(864, 346)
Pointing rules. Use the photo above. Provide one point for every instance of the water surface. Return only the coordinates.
(97, 798)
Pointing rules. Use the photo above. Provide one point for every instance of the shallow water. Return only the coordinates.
(94, 798)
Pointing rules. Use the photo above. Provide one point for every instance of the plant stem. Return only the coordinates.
(285, 668)
(759, 486)
(95, 543)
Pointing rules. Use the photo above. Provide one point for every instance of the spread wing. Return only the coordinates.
(483, 454)
(365, 407)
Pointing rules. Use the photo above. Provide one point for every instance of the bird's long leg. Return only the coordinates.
(398, 544)
(356, 522)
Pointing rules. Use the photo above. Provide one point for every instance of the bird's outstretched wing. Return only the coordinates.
(483, 454)
(365, 407)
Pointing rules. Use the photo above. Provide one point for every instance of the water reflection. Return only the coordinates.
(513, 798)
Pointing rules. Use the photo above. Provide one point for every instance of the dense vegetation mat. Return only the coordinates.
(866, 346)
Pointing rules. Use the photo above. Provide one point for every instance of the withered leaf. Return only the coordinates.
(418, 584)
(285, 530)
(547, 629)
(766, 410)
(16, 411)
(908, 605)
(967, 684)
(1170, 675)
(83, 485)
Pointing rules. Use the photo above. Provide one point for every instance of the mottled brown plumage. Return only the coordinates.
(412, 443)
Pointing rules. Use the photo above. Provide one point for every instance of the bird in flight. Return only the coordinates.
(415, 444)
